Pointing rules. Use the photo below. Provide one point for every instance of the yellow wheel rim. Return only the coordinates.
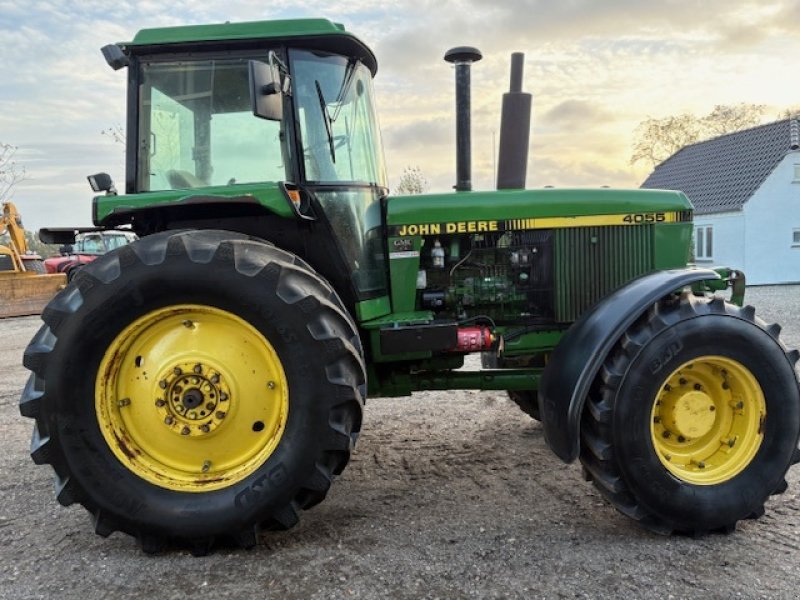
(707, 420)
(191, 398)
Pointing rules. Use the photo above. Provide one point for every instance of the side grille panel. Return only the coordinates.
(591, 262)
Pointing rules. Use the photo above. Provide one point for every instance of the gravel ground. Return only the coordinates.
(449, 494)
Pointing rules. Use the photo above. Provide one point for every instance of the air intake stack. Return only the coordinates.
(515, 128)
(463, 57)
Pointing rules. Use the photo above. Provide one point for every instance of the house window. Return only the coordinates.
(796, 236)
(704, 242)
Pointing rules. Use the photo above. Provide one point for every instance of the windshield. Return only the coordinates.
(197, 129)
(338, 126)
(90, 244)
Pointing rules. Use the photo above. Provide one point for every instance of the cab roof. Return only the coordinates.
(320, 34)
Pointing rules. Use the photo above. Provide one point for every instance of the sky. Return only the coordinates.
(596, 68)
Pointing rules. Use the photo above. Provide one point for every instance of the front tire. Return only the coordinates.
(135, 352)
(695, 418)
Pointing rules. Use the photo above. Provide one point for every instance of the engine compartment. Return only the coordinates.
(505, 275)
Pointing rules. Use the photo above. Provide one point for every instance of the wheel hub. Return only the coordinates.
(707, 420)
(193, 398)
(690, 415)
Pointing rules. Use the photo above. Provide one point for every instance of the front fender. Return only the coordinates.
(577, 359)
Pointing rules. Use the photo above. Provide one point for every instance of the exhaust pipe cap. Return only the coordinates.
(463, 54)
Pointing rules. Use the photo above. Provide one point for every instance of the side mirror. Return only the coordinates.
(266, 89)
(102, 182)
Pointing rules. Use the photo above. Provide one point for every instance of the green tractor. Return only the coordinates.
(207, 381)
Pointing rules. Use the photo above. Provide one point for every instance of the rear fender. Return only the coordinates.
(577, 359)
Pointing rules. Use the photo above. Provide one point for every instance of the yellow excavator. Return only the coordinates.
(24, 287)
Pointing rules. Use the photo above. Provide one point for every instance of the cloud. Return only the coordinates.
(576, 113)
(595, 69)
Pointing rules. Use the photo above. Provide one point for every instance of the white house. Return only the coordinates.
(745, 187)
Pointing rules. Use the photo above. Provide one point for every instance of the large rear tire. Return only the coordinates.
(195, 387)
(695, 418)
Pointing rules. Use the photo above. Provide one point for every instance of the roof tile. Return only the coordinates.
(722, 173)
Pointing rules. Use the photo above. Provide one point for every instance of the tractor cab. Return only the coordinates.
(276, 113)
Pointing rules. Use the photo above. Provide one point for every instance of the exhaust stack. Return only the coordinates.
(463, 57)
(515, 128)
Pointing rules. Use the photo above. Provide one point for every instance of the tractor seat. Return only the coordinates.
(179, 180)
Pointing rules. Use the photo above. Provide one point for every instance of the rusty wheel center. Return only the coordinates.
(195, 398)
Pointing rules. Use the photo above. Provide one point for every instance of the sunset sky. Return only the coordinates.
(595, 68)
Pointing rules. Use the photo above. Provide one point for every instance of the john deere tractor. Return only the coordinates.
(208, 380)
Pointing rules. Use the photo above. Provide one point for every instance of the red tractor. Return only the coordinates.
(87, 247)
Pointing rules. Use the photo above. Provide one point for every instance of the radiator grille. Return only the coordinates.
(591, 262)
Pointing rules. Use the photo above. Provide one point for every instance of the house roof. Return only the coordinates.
(721, 174)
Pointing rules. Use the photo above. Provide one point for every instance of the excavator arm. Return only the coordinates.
(11, 223)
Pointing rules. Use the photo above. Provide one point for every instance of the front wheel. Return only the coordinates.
(194, 387)
(695, 418)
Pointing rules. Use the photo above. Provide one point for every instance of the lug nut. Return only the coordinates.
(223, 396)
(681, 439)
(271, 385)
(668, 388)
(698, 387)
(198, 368)
(683, 381)
(205, 428)
(210, 406)
(206, 466)
(185, 430)
(215, 378)
(220, 414)
(725, 385)
(665, 434)
(188, 324)
(124, 402)
(160, 403)
(656, 419)
(177, 370)
(162, 384)
(169, 420)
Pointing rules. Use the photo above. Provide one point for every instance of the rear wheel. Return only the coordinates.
(695, 419)
(528, 401)
(195, 387)
(73, 271)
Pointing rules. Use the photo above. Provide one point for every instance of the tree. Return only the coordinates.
(412, 181)
(10, 172)
(116, 133)
(727, 118)
(655, 140)
(37, 246)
